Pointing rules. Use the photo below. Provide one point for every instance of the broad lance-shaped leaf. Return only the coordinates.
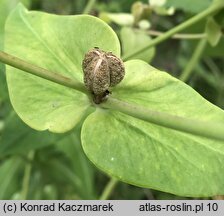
(57, 43)
(152, 156)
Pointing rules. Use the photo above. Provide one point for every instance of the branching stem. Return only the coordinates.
(216, 6)
(206, 129)
(179, 36)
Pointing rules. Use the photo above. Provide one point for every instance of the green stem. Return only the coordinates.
(206, 129)
(89, 6)
(41, 72)
(194, 60)
(108, 189)
(26, 178)
(192, 126)
(218, 5)
(179, 36)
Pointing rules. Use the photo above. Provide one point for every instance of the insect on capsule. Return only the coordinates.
(101, 70)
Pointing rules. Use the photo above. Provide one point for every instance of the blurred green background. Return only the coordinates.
(42, 165)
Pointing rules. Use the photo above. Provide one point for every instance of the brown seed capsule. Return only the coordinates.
(101, 71)
(116, 67)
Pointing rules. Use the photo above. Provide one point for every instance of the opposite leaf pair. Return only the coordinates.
(130, 149)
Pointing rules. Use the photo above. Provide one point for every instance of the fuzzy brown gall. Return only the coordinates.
(101, 70)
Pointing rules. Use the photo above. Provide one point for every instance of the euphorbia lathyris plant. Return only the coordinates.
(131, 134)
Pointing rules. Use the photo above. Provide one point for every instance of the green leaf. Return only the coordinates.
(57, 43)
(191, 6)
(213, 31)
(130, 39)
(149, 155)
